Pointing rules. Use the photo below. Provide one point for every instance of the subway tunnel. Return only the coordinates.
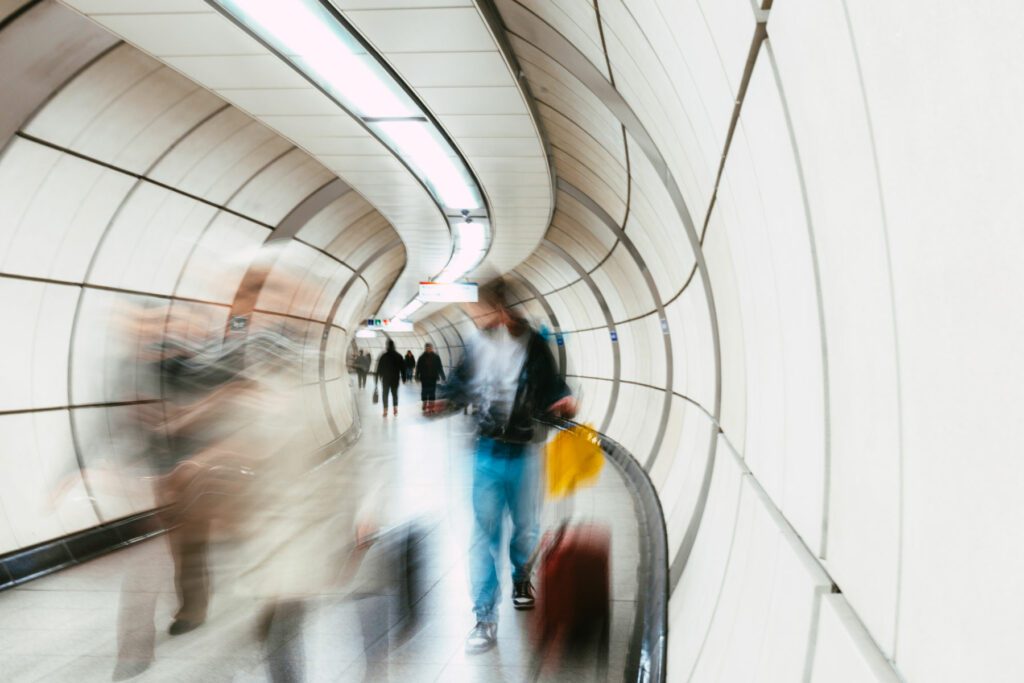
(770, 244)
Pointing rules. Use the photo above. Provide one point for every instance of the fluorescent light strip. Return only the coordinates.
(322, 48)
(419, 142)
(305, 30)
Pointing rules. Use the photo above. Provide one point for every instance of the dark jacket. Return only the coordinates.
(389, 367)
(539, 387)
(429, 368)
(410, 362)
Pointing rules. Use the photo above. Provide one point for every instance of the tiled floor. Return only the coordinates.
(107, 619)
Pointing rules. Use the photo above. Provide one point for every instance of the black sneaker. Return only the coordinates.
(482, 638)
(180, 626)
(522, 595)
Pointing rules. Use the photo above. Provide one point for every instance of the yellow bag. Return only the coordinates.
(574, 459)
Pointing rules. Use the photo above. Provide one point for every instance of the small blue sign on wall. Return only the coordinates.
(560, 340)
(615, 336)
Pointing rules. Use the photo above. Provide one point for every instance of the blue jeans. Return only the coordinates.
(504, 476)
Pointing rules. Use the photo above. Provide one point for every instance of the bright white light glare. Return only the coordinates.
(304, 29)
(365, 334)
(471, 237)
(417, 143)
(470, 245)
(409, 309)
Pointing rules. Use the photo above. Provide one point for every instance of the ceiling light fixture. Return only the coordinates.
(316, 40)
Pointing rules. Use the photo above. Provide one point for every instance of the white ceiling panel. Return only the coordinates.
(502, 147)
(297, 127)
(328, 148)
(291, 102)
(460, 69)
(490, 126)
(493, 100)
(170, 35)
(378, 162)
(242, 71)
(417, 30)
(99, 7)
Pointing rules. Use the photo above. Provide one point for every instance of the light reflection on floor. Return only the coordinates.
(72, 626)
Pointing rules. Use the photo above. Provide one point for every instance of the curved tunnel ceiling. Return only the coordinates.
(496, 134)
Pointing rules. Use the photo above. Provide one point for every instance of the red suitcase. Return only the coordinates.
(575, 593)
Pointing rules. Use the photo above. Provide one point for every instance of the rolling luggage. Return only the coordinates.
(575, 582)
(574, 571)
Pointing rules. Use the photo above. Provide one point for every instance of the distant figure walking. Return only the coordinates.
(390, 366)
(429, 370)
(410, 366)
(362, 366)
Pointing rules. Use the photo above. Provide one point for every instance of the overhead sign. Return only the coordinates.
(389, 325)
(448, 292)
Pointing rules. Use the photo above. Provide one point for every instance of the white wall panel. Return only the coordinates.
(26, 486)
(845, 206)
(944, 105)
(220, 259)
(58, 207)
(277, 189)
(51, 330)
(843, 651)
(643, 351)
(149, 240)
(623, 286)
(643, 81)
(694, 603)
(693, 356)
(75, 106)
(761, 625)
(792, 471)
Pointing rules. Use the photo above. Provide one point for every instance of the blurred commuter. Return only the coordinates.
(362, 365)
(509, 375)
(410, 367)
(390, 367)
(429, 370)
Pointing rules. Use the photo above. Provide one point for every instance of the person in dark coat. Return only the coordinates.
(429, 370)
(410, 366)
(390, 366)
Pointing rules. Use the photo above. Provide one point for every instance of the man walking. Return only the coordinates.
(389, 374)
(410, 367)
(362, 365)
(429, 370)
(510, 376)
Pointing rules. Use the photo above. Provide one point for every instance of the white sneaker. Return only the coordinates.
(482, 638)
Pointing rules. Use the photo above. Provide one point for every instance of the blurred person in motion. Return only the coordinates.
(429, 370)
(390, 367)
(195, 379)
(510, 377)
(362, 365)
(410, 367)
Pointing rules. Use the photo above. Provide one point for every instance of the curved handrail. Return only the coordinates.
(645, 662)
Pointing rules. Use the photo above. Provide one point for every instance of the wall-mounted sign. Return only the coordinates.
(448, 292)
(615, 336)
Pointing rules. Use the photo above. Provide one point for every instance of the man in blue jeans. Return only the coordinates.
(510, 377)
